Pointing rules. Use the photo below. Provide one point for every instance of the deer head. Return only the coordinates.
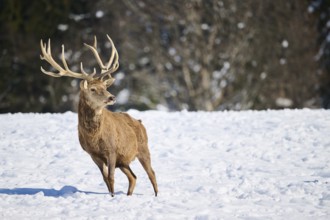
(94, 85)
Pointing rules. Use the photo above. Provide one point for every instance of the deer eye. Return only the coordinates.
(93, 90)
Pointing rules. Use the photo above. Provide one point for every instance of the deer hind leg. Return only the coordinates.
(144, 159)
(131, 179)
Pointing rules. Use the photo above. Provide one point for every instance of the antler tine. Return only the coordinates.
(46, 52)
(96, 54)
(113, 61)
(114, 53)
(46, 55)
(82, 75)
(111, 70)
(84, 72)
(112, 65)
(95, 42)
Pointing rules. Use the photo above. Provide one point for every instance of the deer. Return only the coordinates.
(112, 139)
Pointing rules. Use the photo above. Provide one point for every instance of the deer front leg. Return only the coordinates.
(111, 164)
(104, 170)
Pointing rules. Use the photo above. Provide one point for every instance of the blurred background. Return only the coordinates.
(174, 55)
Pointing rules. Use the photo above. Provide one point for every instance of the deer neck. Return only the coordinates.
(90, 118)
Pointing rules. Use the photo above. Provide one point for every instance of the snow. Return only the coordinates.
(62, 27)
(123, 96)
(285, 44)
(217, 165)
(99, 14)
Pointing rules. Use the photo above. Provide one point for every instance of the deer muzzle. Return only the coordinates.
(111, 100)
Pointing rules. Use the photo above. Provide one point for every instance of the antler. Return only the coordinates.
(46, 55)
(106, 70)
(113, 63)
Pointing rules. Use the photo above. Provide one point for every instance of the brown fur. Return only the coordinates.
(113, 140)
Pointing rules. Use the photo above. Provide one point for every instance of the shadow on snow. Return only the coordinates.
(63, 192)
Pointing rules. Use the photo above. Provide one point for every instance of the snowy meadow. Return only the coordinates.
(216, 165)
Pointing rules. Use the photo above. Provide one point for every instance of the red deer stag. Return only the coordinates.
(113, 140)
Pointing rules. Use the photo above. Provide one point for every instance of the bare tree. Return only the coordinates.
(208, 55)
(191, 54)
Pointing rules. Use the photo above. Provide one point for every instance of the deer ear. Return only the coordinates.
(84, 84)
(109, 82)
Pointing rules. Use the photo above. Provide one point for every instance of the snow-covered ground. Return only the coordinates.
(219, 165)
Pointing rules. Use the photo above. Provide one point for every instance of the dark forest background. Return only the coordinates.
(195, 55)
